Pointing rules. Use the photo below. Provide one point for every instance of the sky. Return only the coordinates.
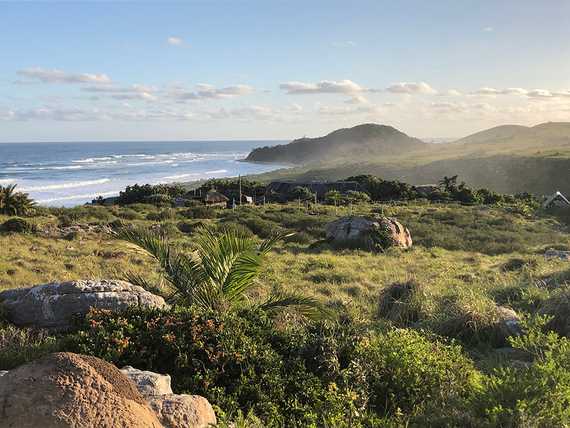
(270, 69)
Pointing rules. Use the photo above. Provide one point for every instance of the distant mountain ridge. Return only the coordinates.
(362, 141)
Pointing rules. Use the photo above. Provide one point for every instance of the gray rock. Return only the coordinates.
(53, 305)
(508, 323)
(148, 383)
(183, 411)
(557, 254)
(368, 232)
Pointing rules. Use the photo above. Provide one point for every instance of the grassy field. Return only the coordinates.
(466, 263)
(457, 250)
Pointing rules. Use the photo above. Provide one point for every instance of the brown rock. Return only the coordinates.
(183, 411)
(70, 390)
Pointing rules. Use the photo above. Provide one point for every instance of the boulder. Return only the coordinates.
(370, 233)
(173, 410)
(53, 305)
(183, 411)
(508, 323)
(148, 383)
(71, 390)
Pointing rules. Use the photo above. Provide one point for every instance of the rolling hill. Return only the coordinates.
(360, 142)
(508, 158)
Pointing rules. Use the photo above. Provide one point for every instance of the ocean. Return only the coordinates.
(68, 174)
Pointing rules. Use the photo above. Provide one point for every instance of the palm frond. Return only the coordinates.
(269, 243)
(306, 306)
(139, 279)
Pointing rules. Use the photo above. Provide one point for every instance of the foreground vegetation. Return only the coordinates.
(407, 338)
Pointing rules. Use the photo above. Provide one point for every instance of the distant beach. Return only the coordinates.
(68, 174)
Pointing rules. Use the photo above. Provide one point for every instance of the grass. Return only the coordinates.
(465, 258)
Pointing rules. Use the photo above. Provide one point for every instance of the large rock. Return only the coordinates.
(371, 233)
(148, 383)
(508, 323)
(71, 390)
(183, 411)
(173, 410)
(53, 305)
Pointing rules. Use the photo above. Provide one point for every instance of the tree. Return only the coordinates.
(301, 193)
(333, 197)
(217, 275)
(14, 203)
(449, 184)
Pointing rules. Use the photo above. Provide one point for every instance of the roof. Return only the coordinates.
(215, 197)
(554, 198)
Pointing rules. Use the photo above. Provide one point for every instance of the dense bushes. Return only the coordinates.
(146, 193)
(323, 374)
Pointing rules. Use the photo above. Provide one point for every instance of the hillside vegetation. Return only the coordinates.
(403, 338)
(509, 159)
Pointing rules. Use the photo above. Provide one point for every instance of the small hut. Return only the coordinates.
(215, 199)
(556, 200)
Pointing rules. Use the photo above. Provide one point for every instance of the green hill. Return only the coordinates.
(359, 142)
(507, 159)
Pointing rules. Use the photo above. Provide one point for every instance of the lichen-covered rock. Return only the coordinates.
(370, 233)
(70, 390)
(183, 411)
(508, 322)
(54, 305)
(148, 383)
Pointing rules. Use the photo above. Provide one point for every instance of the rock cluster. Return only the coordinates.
(71, 390)
(54, 305)
(173, 410)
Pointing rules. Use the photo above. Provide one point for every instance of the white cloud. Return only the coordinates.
(368, 109)
(134, 92)
(411, 88)
(450, 93)
(357, 99)
(175, 41)
(59, 76)
(205, 91)
(322, 87)
(488, 29)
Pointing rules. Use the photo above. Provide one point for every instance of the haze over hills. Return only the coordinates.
(509, 158)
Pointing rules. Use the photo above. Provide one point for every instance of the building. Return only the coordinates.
(557, 199)
(215, 199)
(280, 189)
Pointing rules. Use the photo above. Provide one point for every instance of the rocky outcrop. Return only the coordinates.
(370, 233)
(54, 305)
(71, 390)
(173, 410)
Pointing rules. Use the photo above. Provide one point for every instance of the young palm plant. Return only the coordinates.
(14, 203)
(217, 275)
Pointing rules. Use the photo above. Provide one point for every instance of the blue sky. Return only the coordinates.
(87, 71)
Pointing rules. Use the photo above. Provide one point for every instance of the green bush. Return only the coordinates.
(200, 212)
(18, 225)
(19, 346)
(404, 371)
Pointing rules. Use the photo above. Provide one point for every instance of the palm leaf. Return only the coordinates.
(306, 306)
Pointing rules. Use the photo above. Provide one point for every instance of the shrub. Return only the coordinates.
(531, 395)
(557, 307)
(158, 200)
(163, 215)
(200, 211)
(404, 370)
(18, 225)
(405, 303)
(19, 346)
